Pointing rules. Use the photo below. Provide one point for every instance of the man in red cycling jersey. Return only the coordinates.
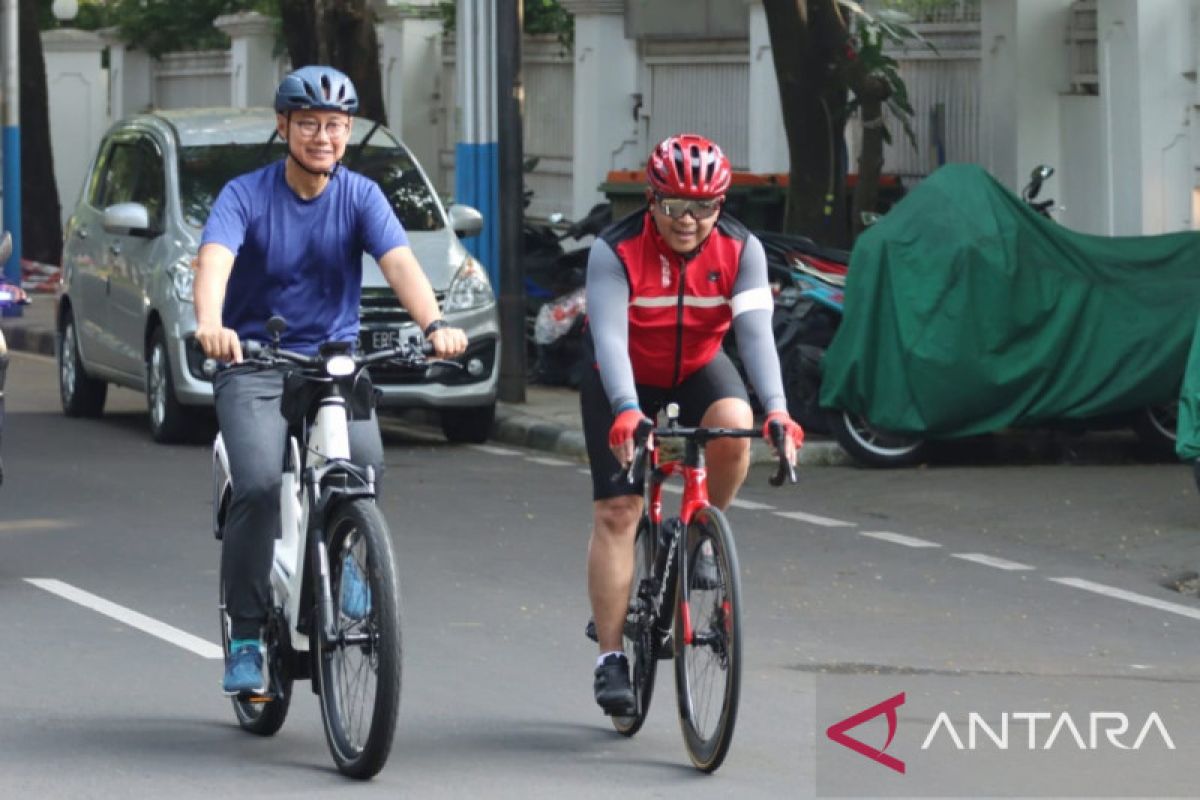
(663, 286)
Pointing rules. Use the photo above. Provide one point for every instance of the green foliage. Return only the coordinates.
(928, 10)
(865, 56)
(162, 26)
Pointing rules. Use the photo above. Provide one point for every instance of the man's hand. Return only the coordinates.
(448, 342)
(620, 435)
(793, 438)
(219, 342)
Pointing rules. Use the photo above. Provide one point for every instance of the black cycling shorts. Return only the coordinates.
(716, 380)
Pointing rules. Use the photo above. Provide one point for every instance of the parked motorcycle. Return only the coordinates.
(554, 292)
(808, 309)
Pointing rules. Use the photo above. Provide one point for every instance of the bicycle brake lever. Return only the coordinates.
(779, 441)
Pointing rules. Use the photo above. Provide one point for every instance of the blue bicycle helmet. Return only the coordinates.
(318, 89)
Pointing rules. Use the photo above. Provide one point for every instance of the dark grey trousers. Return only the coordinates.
(255, 434)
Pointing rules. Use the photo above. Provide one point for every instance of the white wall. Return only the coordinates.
(1023, 70)
(79, 109)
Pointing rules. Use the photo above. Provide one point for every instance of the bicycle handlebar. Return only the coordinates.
(646, 429)
(267, 356)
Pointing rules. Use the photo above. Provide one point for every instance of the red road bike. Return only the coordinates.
(677, 610)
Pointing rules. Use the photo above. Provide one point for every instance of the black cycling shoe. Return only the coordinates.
(613, 692)
(704, 569)
(590, 630)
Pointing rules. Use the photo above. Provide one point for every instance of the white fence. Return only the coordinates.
(688, 85)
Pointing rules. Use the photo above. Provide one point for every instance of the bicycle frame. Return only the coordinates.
(317, 475)
(691, 468)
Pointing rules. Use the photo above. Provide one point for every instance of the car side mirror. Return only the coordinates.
(465, 220)
(130, 218)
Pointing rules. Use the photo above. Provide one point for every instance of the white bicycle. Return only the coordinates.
(328, 515)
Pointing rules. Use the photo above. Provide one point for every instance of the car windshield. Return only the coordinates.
(205, 169)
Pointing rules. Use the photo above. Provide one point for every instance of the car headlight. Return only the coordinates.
(182, 277)
(469, 289)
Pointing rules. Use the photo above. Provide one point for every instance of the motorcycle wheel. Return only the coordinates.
(870, 446)
(1155, 426)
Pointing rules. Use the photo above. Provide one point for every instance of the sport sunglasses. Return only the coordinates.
(676, 207)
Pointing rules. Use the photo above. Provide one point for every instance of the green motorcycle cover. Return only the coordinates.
(967, 312)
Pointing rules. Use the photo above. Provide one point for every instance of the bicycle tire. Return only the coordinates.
(639, 646)
(267, 717)
(360, 745)
(708, 664)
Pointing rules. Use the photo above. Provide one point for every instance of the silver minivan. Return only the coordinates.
(125, 313)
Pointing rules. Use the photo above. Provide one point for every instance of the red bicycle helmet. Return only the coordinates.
(688, 165)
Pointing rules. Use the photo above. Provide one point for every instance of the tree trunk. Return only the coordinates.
(805, 37)
(41, 225)
(341, 34)
(871, 93)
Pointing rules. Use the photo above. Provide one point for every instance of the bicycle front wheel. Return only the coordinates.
(708, 638)
(639, 645)
(359, 669)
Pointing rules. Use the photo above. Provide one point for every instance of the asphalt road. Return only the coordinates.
(981, 590)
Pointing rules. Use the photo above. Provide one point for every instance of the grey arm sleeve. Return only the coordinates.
(608, 316)
(753, 305)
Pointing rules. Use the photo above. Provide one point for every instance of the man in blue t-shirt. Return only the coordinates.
(288, 239)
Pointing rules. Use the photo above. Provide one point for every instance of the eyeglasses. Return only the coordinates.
(334, 128)
(676, 207)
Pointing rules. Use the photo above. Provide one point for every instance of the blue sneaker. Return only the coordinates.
(355, 598)
(244, 671)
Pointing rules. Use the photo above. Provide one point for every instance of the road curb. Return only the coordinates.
(29, 340)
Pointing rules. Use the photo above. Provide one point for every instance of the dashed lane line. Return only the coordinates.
(495, 451)
(133, 619)
(750, 505)
(549, 462)
(1129, 597)
(813, 519)
(36, 524)
(992, 561)
(899, 538)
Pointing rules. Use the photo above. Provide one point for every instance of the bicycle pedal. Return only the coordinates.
(250, 697)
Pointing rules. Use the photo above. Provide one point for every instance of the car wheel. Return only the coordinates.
(81, 395)
(170, 421)
(468, 425)
(872, 447)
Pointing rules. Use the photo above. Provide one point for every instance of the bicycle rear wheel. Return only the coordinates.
(708, 640)
(639, 645)
(359, 670)
(263, 716)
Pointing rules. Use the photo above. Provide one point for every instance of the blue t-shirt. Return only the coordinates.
(300, 259)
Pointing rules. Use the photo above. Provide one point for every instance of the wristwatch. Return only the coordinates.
(436, 325)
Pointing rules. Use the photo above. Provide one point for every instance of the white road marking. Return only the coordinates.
(494, 451)
(32, 356)
(672, 488)
(133, 619)
(991, 561)
(1130, 597)
(750, 505)
(899, 538)
(813, 519)
(549, 462)
(36, 525)
(583, 471)
(1141, 666)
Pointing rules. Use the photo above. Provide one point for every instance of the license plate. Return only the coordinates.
(388, 337)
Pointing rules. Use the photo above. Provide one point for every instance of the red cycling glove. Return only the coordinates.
(624, 426)
(790, 427)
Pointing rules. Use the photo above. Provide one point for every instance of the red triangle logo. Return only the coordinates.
(837, 732)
